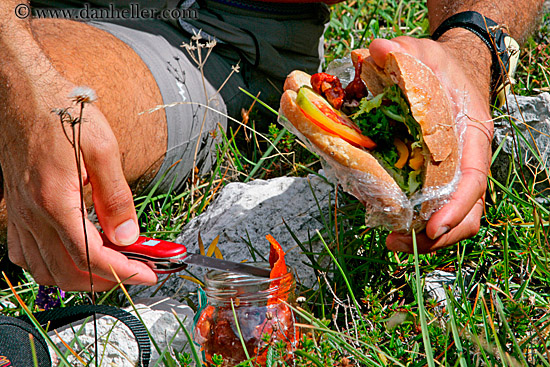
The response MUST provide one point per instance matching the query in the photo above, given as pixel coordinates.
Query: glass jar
(262, 312)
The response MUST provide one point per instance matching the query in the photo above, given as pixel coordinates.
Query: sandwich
(389, 137)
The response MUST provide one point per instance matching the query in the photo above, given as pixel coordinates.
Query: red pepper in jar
(278, 270)
(258, 313)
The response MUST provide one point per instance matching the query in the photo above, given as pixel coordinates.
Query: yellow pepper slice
(417, 159)
(403, 153)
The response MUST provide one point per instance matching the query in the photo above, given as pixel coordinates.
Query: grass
(373, 312)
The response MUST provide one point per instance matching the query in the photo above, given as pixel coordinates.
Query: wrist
(472, 55)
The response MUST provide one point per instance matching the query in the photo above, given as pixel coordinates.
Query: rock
(532, 117)
(244, 213)
(117, 346)
(437, 281)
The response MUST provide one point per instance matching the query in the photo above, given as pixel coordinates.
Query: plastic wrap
(386, 205)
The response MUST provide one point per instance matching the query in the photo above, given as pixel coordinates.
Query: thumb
(380, 48)
(111, 194)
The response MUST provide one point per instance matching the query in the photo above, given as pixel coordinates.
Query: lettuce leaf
(377, 119)
(395, 94)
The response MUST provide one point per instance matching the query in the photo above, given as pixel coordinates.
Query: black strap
(59, 317)
(15, 344)
(490, 33)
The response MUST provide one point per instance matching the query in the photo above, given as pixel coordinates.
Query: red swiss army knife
(169, 257)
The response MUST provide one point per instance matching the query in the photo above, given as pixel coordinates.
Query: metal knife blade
(229, 266)
(169, 257)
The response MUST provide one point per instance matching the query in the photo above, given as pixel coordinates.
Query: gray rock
(438, 281)
(531, 115)
(117, 346)
(244, 213)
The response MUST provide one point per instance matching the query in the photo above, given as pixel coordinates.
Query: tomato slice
(322, 114)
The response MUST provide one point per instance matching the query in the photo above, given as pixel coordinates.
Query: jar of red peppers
(252, 307)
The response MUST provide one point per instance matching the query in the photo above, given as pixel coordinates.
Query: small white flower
(189, 47)
(235, 68)
(211, 44)
(196, 36)
(83, 94)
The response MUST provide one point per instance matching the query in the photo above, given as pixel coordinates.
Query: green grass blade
(421, 310)
(309, 357)
(266, 154)
(350, 289)
(454, 329)
(192, 345)
(240, 333)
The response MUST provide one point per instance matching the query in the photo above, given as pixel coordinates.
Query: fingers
(111, 194)
(15, 252)
(34, 261)
(45, 234)
(53, 264)
(380, 48)
(466, 229)
(102, 261)
(472, 185)
(67, 250)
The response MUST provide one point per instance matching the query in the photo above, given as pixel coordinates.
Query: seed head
(83, 94)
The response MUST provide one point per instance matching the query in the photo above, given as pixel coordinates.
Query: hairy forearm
(26, 73)
(518, 17)
(21, 55)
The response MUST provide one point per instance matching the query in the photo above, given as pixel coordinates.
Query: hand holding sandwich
(461, 63)
(396, 147)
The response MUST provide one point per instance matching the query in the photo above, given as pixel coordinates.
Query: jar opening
(222, 286)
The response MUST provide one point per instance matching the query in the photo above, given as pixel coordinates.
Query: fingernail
(127, 233)
(440, 232)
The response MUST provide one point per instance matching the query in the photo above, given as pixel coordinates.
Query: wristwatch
(504, 49)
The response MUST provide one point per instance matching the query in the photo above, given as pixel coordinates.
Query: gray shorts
(193, 128)
(189, 121)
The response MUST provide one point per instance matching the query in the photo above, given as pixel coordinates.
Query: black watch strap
(504, 49)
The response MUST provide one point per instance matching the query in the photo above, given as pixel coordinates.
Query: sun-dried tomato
(356, 90)
(329, 87)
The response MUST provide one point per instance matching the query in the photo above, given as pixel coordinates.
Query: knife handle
(161, 256)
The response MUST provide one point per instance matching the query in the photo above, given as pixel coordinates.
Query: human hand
(467, 85)
(45, 233)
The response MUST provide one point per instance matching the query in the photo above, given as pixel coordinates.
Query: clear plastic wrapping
(386, 205)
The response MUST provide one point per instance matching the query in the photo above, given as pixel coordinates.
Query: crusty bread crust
(429, 103)
(349, 156)
(297, 79)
